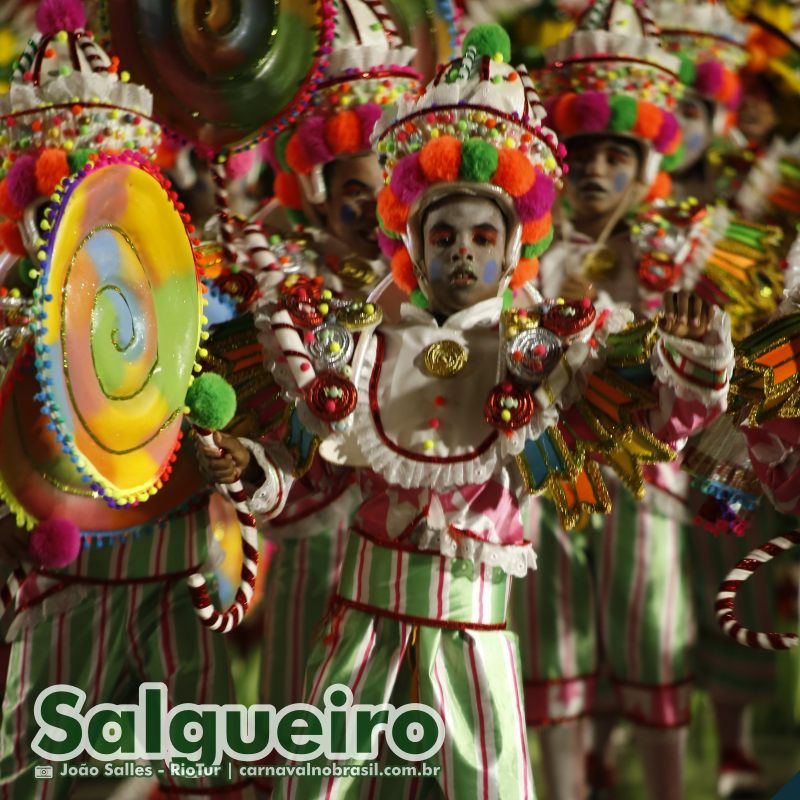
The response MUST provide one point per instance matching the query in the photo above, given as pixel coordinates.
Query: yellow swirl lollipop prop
(117, 326)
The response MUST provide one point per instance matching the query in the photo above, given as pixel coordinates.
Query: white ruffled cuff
(269, 498)
(697, 370)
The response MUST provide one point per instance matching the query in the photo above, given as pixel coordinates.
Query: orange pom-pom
(440, 159)
(660, 188)
(296, 157)
(565, 120)
(403, 271)
(730, 86)
(514, 172)
(11, 239)
(648, 120)
(532, 232)
(343, 132)
(7, 208)
(51, 168)
(393, 213)
(526, 270)
(287, 190)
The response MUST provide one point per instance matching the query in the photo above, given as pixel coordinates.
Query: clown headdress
(67, 100)
(477, 129)
(612, 76)
(710, 45)
(368, 70)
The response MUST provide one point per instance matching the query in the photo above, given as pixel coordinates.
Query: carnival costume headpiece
(478, 129)
(774, 42)
(610, 75)
(368, 70)
(710, 44)
(67, 100)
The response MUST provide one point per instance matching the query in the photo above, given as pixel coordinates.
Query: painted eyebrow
(485, 226)
(441, 226)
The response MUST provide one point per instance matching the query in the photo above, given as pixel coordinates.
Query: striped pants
(301, 579)
(115, 638)
(407, 629)
(614, 601)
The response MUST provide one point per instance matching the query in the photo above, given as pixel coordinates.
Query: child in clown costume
(416, 408)
(121, 614)
(611, 601)
(326, 181)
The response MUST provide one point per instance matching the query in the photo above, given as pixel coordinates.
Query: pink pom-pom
(535, 203)
(21, 181)
(312, 135)
(593, 112)
(709, 78)
(54, 543)
(388, 245)
(369, 114)
(53, 16)
(238, 165)
(666, 133)
(408, 180)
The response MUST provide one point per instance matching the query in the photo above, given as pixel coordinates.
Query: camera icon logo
(43, 772)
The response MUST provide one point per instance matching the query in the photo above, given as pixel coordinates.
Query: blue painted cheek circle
(490, 272)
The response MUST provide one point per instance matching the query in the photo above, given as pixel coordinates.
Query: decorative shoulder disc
(118, 323)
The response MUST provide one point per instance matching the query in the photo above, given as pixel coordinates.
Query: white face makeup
(464, 252)
(694, 116)
(601, 172)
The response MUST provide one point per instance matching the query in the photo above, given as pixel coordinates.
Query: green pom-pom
(673, 161)
(78, 159)
(537, 248)
(688, 70)
(623, 112)
(418, 299)
(478, 161)
(281, 142)
(212, 401)
(488, 40)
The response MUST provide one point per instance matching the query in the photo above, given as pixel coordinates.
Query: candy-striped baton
(726, 598)
(212, 404)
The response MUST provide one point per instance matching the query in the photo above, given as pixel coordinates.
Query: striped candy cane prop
(726, 598)
(212, 404)
(53, 543)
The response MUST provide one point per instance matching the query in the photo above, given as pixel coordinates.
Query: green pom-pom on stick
(488, 40)
(211, 401)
